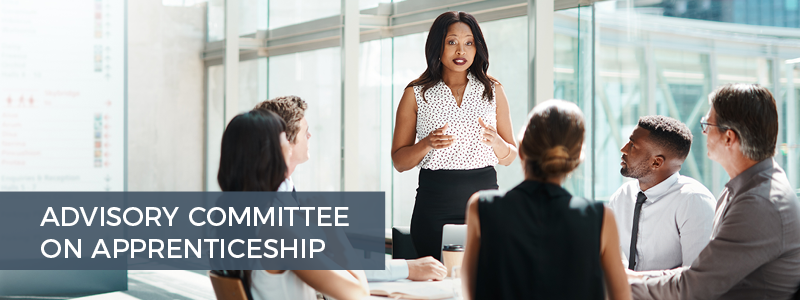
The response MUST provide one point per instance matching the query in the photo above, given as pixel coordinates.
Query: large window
(618, 60)
(409, 63)
(315, 77)
(656, 60)
(572, 81)
(508, 44)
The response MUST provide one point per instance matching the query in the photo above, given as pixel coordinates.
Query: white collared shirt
(674, 225)
(287, 185)
(396, 269)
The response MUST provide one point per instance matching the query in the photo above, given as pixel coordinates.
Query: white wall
(165, 96)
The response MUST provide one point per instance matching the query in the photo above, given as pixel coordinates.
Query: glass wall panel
(507, 41)
(216, 20)
(565, 60)
(782, 13)
(790, 150)
(252, 83)
(285, 13)
(408, 64)
(618, 107)
(366, 4)
(252, 89)
(375, 119)
(572, 76)
(650, 60)
(682, 84)
(369, 114)
(215, 122)
(743, 69)
(314, 76)
(252, 16)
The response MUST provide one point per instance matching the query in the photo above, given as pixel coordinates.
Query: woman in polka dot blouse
(453, 122)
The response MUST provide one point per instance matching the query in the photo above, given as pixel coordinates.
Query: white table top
(409, 287)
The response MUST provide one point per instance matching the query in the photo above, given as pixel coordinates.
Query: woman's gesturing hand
(438, 140)
(489, 135)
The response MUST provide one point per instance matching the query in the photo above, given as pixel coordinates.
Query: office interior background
(191, 65)
(618, 60)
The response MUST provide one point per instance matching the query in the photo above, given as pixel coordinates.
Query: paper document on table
(412, 290)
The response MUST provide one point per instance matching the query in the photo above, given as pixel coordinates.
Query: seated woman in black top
(537, 241)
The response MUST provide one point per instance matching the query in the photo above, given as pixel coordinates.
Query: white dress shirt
(674, 225)
(287, 185)
(396, 269)
(287, 285)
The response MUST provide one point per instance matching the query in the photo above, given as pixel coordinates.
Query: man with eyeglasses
(754, 252)
(664, 217)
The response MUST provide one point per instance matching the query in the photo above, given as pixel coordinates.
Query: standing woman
(452, 109)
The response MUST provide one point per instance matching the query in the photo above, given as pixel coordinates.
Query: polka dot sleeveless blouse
(467, 152)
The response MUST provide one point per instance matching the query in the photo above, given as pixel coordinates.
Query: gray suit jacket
(754, 252)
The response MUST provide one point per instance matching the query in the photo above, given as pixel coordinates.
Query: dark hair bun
(553, 139)
(556, 161)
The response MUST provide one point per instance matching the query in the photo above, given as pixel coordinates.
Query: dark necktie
(635, 232)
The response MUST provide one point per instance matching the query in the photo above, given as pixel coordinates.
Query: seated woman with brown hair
(254, 157)
(537, 241)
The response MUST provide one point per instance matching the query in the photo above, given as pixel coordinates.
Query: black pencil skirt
(442, 198)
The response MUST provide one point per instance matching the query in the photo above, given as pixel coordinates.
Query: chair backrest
(227, 288)
(402, 244)
(454, 234)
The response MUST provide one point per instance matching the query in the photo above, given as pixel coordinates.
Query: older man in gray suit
(754, 252)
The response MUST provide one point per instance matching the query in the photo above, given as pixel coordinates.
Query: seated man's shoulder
(630, 187)
(780, 190)
(768, 189)
(697, 199)
(773, 195)
(690, 185)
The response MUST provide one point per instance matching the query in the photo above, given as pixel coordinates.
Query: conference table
(439, 289)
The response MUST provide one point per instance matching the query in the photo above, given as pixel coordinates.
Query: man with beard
(664, 218)
(754, 252)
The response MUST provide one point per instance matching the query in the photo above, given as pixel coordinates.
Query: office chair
(227, 288)
(402, 244)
